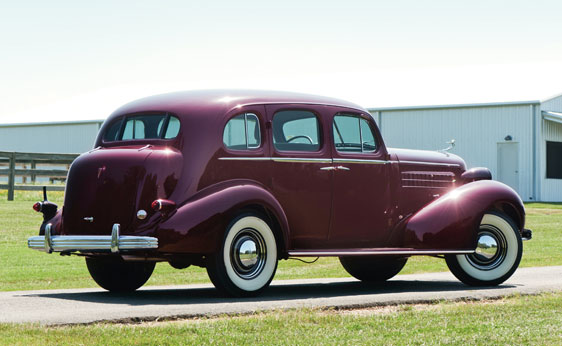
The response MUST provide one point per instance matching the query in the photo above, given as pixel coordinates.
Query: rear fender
(56, 223)
(451, 222)
(199, 225)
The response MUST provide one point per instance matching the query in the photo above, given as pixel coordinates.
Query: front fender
(198, 226)
(451, 221)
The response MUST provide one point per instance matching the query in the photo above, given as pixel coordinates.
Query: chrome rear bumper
(113, 243)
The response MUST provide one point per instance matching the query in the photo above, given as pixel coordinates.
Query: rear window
(145, 126)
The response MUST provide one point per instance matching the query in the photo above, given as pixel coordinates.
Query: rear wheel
(373, 268)
(497, 254)
(116, 275)
(247, 260)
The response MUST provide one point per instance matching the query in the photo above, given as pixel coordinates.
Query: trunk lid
(109, 185)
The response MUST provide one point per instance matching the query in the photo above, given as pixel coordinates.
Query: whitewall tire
(247, 260)
(497, 255)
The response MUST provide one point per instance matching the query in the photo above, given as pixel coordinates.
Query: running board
(369, 252)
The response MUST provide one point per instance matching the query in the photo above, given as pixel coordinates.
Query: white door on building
(508, 164)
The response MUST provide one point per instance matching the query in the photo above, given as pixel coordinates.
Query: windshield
(145, 126)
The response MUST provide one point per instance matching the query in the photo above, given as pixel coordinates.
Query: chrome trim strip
(277, 159)
(376, 162)
(315, 253)
(430, 163)
(91, 243)
(300, 159)
(329, 168)
(238, 158)
(335, 160)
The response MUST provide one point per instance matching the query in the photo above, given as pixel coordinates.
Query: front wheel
(116, 275)
(497, 254)
(247, 260)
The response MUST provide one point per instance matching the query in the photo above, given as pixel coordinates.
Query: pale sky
(78, 60)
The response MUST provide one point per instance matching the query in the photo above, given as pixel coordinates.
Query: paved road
(90, 305)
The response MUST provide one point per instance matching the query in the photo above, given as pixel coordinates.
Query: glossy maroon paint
(401, 199)
(362, 194)
(446, 222)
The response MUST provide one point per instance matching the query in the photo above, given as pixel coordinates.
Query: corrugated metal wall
(46, 138)
(477, 131)
(551, 189)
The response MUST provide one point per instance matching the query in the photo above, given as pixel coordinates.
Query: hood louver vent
(439, 180)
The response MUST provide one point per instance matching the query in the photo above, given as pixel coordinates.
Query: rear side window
(352, 133)
(146, 126)
(296, 130)
(242, 132)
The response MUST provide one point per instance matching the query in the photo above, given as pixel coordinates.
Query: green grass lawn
(24, 269)
(517, 320)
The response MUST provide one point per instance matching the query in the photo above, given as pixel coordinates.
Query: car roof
(219, 102)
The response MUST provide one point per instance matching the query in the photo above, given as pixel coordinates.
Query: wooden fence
(28, 165)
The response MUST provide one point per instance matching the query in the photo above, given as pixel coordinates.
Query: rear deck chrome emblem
(100, 171)
(89, 219)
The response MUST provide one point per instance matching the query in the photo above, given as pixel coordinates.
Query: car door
(300, 181)
(361, 188)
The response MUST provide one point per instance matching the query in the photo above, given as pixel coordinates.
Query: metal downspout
(537, 121)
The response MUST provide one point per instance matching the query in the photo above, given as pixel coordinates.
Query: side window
(353, 134)
(296, 130)
(242, 132)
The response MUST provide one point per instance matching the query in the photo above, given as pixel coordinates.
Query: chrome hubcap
(491, 249)
(487, 247)
(248, 253)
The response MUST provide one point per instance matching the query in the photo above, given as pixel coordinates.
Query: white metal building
(57, 137)
(521, 142)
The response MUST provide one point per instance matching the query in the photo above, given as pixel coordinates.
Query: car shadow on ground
(283, 292)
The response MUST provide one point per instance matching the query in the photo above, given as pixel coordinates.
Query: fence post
(12, 177)
(24, 178)
(33, 166)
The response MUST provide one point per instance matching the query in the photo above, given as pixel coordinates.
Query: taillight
(163, 205)
(38, 206)
(156, 205)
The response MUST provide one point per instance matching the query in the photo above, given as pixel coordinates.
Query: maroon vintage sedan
(235, 181)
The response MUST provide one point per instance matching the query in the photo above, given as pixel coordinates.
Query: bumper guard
(114, 243)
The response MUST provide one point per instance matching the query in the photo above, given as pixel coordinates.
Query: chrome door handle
(334, 168)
